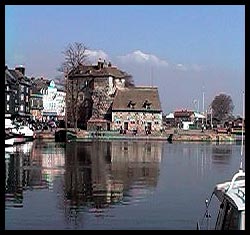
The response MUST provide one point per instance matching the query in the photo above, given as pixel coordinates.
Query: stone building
(137, 109)
(90, 93)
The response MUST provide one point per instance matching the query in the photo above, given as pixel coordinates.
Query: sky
(192, 53)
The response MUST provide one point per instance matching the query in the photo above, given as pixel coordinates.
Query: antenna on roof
(242, 129)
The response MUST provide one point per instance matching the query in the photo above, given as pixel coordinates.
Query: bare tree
(75, 55)
(222, 106)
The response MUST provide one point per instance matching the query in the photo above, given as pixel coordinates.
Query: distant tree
(129, 81)
(75, 55)
(222, 106)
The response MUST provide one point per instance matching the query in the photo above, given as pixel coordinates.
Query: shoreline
(177, 136)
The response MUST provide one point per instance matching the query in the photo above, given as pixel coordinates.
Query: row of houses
(32, 98)
(94, 97)
(187, 119)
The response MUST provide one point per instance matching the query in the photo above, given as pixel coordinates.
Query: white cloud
(139, 57)
(94, 55)
(181, 67)
(187, 67)
(142, 58)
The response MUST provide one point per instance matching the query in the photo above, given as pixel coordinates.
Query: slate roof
(95, 71)
(9, 77)
(19, 76)
(137, 97)
(39, 84)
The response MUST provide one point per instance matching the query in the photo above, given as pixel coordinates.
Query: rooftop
(137, 98)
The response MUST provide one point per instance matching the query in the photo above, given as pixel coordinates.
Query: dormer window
(131, 104)
(146, 104)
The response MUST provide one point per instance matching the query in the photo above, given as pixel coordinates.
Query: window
(8, 97)
(146, 104)
(7, 88)
(22, 96)
(7, 107)
(21, 108)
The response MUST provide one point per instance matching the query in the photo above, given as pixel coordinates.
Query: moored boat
(231, 196)
(9, 139)
(231, 213)
(24, 131)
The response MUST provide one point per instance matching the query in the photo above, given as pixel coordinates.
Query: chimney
(100, 63)
(21, 69)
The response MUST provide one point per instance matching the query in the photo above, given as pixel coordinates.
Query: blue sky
(184, 50)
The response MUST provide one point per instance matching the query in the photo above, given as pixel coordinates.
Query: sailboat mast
(242, 129)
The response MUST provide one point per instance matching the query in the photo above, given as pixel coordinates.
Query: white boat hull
(9, 142)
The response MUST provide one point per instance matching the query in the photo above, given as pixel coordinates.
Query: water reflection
(99, 174)
(119, 184)
(93, 176)
(221, 154)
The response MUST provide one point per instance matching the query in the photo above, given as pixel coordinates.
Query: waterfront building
(137, 109)
(17, 92)
(60, 101)
(9, 94)
(36, 98)
(47, 99)
(91, 90)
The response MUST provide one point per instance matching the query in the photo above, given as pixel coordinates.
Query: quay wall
(177, 135)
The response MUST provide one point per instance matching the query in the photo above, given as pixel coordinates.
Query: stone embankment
(177, 135)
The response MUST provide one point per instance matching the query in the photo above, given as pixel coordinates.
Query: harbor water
(124, 185)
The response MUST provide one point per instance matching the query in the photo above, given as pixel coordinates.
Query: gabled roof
(138, 96)
(9, 77)
(95, 71)
(39, 84)
(19, 76)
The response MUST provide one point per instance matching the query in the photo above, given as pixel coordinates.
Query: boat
(24, 131)
(9, 139)
(65, 135)
(231, 196)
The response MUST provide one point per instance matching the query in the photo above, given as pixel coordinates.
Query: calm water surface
(114, 185)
